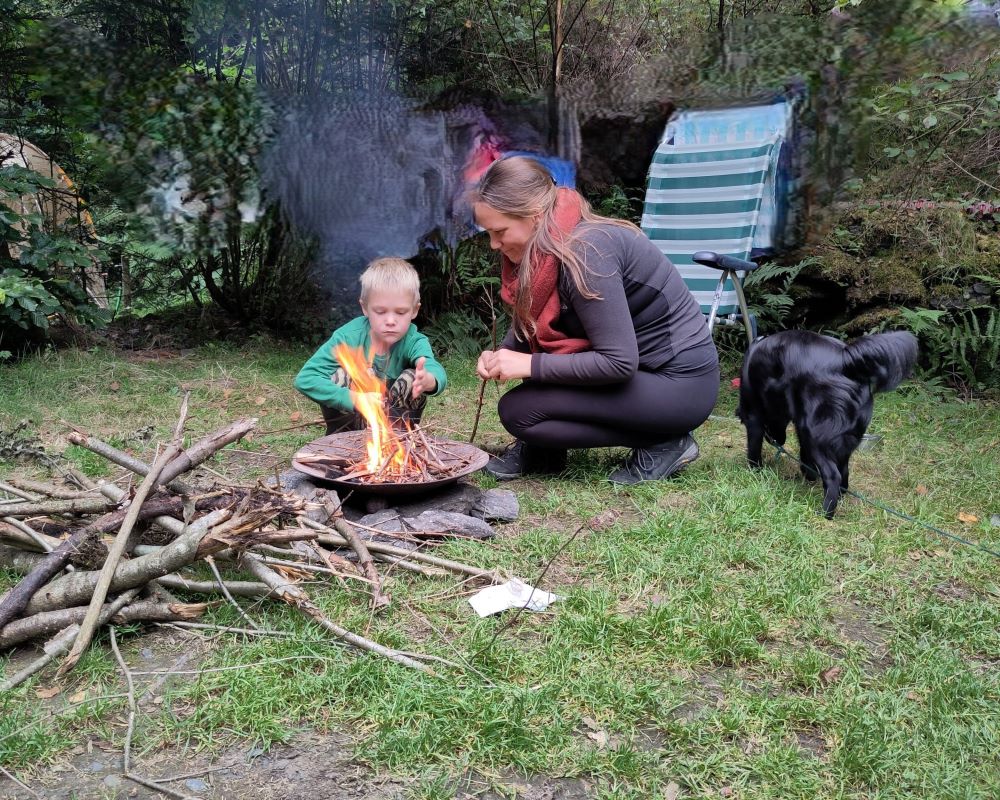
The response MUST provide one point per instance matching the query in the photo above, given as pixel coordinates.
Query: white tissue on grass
(512, 594)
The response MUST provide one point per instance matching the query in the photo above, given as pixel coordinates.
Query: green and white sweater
(314, 379)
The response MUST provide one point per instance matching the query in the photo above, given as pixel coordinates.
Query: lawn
(715, 637)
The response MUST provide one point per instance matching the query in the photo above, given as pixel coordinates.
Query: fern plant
(768, 291)
(962, 345)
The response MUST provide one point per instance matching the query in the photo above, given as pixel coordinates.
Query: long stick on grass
(379, 598)
(296, 597)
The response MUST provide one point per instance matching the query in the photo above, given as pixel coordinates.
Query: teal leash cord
(782, 451)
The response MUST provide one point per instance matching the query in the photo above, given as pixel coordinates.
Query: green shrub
(44, 281)
(961, 345)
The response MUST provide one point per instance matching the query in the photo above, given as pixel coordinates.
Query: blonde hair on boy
(390, 274)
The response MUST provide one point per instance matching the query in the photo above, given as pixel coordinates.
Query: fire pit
(340, 458)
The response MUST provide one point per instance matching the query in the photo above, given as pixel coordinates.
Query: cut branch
(379, 598)
(49, 622)
(296, 597)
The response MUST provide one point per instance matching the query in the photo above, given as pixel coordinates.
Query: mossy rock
(869, 321)
(946, 231)
(946, 295)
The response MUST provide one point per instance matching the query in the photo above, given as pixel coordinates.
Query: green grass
(719, 633)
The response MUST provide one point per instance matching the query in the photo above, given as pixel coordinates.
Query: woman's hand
(503, 365)
(423, 381)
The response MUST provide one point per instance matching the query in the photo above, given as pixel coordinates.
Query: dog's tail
(883, 360)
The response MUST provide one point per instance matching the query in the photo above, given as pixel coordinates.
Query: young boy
(400, 355)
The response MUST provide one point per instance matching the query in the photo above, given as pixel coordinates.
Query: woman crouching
(612, 347)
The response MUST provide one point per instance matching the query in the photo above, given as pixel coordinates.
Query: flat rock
(451, 522)
(460, 498)
(498, 505)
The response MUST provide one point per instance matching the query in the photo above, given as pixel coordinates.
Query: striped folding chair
(702, 208)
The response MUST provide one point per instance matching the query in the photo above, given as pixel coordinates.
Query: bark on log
(11, 530)
(236, 588)
(17, 560)
(49, 490)
(49, 622)
(40, 508)
(71, 590)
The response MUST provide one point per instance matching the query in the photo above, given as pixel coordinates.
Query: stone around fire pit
(431, 521)
(461, 509)
(492, 505)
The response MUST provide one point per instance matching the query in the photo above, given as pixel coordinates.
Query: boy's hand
(423, 381)
(361, 399)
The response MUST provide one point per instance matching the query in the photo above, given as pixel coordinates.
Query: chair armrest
(709, 259)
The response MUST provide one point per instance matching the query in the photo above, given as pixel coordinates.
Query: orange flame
(385, 451)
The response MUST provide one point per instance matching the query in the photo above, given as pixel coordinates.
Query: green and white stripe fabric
(706, 197)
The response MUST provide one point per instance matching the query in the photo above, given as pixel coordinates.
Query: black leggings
(647, 409)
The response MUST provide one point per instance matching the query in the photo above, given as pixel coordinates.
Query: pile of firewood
(97, 553)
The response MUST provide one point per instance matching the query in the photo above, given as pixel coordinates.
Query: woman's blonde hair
(521, 187)
(390, 274)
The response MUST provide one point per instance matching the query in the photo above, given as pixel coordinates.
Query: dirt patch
(313, 765)
(811, 741)
(853, 625)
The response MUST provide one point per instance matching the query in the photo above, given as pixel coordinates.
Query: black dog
(826, 389)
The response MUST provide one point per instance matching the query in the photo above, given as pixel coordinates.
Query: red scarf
(545, 306)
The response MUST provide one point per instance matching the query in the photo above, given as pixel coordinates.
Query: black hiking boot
(523, 459)
(657, 462)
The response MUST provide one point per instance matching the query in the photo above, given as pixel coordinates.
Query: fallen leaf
(968, 519)
(259, 401)
(79, 697)
(591, 723)
(295, 416)
(912, 696)
(915, 555)
(726, 791)
(45, 694)
(921, 489)
(830, 675)
(671, 792)
(114, 386)
(226, 393)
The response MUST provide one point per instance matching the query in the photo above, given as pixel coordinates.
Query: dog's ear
(883, 360)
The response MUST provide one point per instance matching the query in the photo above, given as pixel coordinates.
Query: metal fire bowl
(338, 447)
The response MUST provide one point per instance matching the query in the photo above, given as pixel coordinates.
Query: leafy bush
(45, 280)
(769, 293)
(962, 345)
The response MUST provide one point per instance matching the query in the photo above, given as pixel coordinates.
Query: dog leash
(782, 451)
